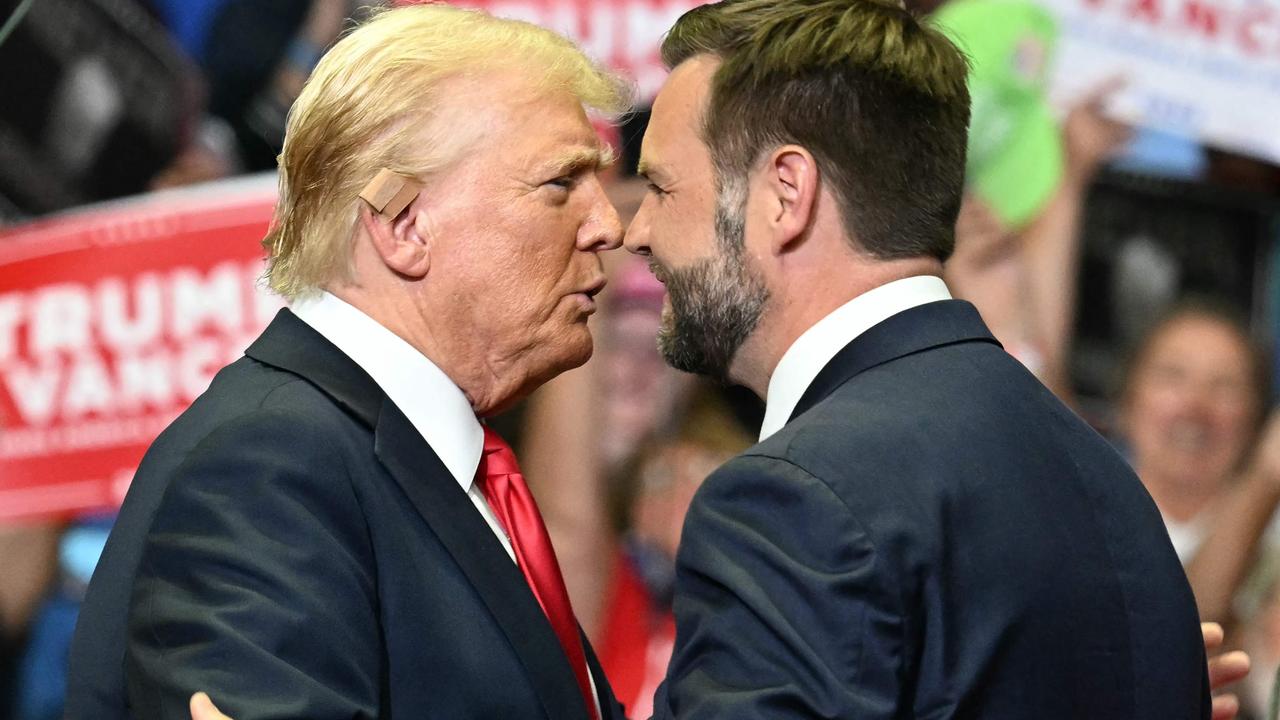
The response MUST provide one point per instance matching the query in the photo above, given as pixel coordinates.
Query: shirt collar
(816, 346)
(436, 407)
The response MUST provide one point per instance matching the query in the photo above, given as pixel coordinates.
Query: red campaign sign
(112, 320)
(625, 34)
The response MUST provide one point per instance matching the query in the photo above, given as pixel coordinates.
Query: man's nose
(636, 239)
(603, 229)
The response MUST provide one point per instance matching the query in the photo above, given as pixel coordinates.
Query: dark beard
(716, 303)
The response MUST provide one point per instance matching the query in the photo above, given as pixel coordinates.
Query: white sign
(1205, 68)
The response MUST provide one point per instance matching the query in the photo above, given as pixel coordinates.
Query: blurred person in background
(40, 686)
(1260, 638)
(639, 392)
(651, 496)
(28, 566)
(1018, 237)
(1192, 407)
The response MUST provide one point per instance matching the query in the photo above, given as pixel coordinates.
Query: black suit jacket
(932, 535)
(291, 545)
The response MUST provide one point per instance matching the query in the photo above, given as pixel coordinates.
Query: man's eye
(656, 190)
(566, 182)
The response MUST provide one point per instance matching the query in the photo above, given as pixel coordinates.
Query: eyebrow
(648, 170)
(579, 159)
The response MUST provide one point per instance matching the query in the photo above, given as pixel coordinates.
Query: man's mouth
(595, 287)
(1189, 437)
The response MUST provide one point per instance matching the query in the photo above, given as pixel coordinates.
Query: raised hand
(1223, 670)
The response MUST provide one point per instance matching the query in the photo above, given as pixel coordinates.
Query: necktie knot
(498, 457)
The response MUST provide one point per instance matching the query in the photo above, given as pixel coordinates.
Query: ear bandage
(390, 193)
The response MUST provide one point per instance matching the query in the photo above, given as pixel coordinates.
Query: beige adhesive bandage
(390, 193)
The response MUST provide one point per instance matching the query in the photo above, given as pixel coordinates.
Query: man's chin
(577, 349)
(681, 355)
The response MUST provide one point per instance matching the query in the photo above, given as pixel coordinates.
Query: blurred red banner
(112, 320)
(624, 34)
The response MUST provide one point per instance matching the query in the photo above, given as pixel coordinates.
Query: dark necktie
(509, 497)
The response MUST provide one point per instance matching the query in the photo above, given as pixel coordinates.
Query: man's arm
(780, 610)
(1053, 242)
(256, 583)
(1222, 563)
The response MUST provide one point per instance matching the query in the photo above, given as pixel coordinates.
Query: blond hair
(370, 103)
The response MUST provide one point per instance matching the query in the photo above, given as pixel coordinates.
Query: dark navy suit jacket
(293, 546)
(932, 535)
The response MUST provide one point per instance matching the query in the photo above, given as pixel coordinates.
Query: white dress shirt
(811, 352)
(435, 406)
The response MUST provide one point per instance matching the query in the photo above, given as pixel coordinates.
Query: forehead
(679, 108)
(518, 121)
(1202, 341)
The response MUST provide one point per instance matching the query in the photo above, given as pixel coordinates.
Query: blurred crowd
(136, 95)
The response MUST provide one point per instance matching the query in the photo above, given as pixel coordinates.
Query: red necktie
(509, 497)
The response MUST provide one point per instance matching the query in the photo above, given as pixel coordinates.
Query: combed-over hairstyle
(370, 104)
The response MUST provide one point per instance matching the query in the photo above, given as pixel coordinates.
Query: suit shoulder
(248, 385)
(250, 393)
(776, 480)
(252, 416)
(830, 429)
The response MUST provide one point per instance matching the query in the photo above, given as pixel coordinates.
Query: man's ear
(394, 216)
(791, 185)
(404, 244)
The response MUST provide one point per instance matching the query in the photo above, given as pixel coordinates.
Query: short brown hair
(878, 98)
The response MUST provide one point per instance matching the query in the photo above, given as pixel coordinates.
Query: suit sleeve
(256, 583)
(781, 609)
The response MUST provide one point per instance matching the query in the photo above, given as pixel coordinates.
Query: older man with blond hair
(330, 531)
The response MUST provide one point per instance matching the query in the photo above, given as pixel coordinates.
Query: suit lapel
(290, 344)
(610, 708)
(452, 517)
(911, 331)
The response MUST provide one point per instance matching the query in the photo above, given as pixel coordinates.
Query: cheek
(532, 281)
(1234, 420)
(676, 228)
(1157, 402)
(532, 237)
(1149, 418)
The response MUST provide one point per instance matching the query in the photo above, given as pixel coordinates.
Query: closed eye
(565, 182)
